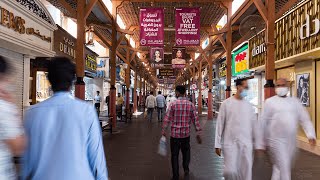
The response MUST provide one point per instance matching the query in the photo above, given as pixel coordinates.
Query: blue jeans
(150, 112)
(160, 113)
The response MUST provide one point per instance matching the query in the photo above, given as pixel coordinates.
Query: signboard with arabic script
(151, 26)
(240, 60)
(166, 72)
(188, 26)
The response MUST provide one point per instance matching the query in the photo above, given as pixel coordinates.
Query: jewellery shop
(26, 32)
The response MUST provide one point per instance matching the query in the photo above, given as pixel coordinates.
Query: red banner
(151, 26)
(188, 26)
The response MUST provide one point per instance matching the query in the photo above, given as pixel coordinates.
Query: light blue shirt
(64, 141)
(161, 101)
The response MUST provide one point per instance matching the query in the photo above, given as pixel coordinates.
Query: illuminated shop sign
(18, 24)
(223, 69)
(240, 60)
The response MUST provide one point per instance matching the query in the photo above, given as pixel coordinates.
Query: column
(140, 89)
(135, 102)
(270, 57)
(199, 87)
(113, 67)
(80, 85)
(210, 103)
(127, 80)
(229, 49)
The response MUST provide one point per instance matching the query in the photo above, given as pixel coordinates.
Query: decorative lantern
(89, 36)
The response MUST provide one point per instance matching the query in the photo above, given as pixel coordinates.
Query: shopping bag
(145, 114)
(163, 146)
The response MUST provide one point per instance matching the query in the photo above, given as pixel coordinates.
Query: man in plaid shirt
(181, 114)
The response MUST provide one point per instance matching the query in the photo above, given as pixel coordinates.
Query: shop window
(43, 87)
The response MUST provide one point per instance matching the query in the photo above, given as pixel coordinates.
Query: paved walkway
(132, 155)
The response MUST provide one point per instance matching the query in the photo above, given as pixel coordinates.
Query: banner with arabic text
(151, 26)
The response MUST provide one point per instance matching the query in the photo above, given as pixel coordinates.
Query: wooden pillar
(135, 101)
(270, 57)
(199, 85)
(229, 49)
(81, 22)
(127, 80)
(193, 82)
(140, 89)
(210, 103)
(113, 66)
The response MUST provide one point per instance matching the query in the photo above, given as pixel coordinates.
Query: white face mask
(282, 91)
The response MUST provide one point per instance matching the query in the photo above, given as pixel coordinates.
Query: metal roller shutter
(16, 60)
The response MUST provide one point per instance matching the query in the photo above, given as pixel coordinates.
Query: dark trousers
(97, 106)
(176, 144)
(160, 114)
(150, 112)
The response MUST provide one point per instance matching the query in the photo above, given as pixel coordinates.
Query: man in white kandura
(279, 122)
(235, 131)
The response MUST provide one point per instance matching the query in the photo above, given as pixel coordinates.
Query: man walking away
(180, 115)
(280, 120)
(151, 103)
(65, 140)
(161, 103)
(97, 100)
(236, 128)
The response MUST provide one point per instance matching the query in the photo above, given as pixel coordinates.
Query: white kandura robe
(235, 131)
(279, 121)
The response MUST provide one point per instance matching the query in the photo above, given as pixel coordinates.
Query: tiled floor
(132, 155)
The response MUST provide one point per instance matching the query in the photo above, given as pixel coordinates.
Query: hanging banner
(156, 57)
(151, 26)
(188, 26)
(178, 57)
(166, 72)
(240, 60)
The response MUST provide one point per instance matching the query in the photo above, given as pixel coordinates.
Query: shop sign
(91, 61)
(223, 69)
(258, 49)
(64, 43)
(307, 25)
(240, 61)
(18, 24)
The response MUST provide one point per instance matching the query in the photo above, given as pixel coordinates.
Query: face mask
(282, 91)
(244, 93)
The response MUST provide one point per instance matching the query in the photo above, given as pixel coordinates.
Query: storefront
(240, 69)
(296, 61)
(64, 46)
(26, 32)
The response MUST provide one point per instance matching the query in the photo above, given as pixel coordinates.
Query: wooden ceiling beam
(73, 12)
(286, 8)
(243, 8)
(262, 9)
(223, 42)
(89, 8)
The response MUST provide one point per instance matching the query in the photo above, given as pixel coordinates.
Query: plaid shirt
(180, 114)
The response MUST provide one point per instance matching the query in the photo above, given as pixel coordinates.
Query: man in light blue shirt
(161, 103)
(64, 134)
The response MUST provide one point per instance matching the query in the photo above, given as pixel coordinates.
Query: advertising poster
(156, 57)
(151, 26)
(187, 26)
(303, 88)
(240, 61)
(178, 58)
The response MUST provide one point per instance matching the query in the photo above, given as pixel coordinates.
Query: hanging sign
(240, 60)
(178, 57)
(151, 26)
(156, 57)
(187, 26)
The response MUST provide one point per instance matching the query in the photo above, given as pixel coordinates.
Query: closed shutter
(17, 63)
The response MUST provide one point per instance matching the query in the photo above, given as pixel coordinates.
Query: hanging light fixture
(89, 36)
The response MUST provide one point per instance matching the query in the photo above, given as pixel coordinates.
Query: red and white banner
(151, 26)
(187, 27)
